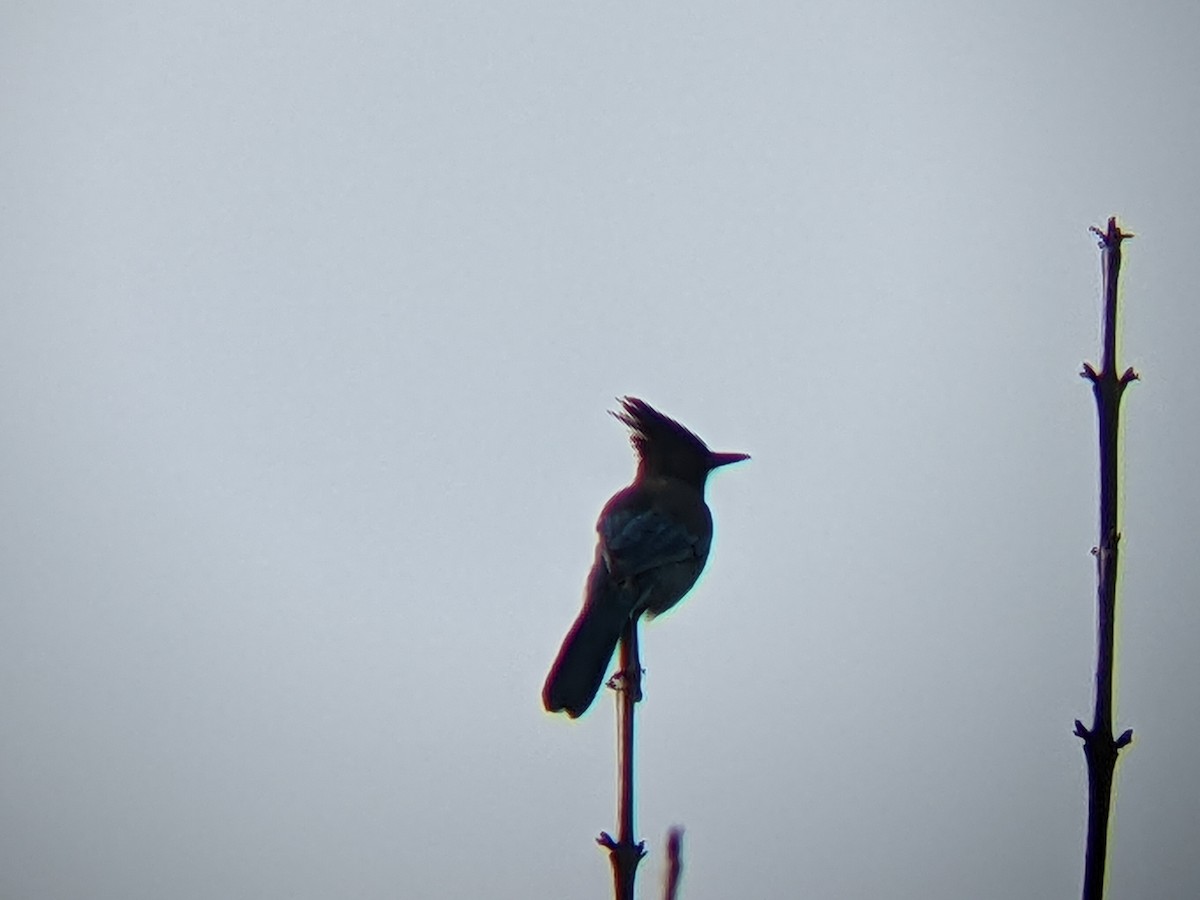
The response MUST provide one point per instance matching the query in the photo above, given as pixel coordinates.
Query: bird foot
(630, 682)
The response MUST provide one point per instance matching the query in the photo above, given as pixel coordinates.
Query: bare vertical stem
(625, 853)
(674, 862)
(1100, 749)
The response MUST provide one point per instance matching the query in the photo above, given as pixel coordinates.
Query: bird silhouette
(654, 537)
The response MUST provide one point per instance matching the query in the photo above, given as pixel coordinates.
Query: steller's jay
(654, 540)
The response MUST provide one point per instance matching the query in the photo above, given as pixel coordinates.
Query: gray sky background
(311, 315)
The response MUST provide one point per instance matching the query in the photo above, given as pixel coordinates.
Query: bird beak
(716, 460)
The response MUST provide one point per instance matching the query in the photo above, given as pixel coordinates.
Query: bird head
(664, 447)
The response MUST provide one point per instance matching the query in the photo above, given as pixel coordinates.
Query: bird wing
(638, 540)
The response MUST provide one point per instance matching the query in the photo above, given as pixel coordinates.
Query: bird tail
(579, 669)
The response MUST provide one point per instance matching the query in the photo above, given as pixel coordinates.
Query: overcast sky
(310, 316)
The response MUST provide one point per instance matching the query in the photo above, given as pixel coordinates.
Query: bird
(653, 540)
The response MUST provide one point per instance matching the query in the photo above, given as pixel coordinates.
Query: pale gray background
(311, 315)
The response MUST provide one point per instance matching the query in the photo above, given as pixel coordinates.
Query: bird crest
(661, 443)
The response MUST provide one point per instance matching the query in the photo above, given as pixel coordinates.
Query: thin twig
(674, 862)
(1100, 749)
(625, 853)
